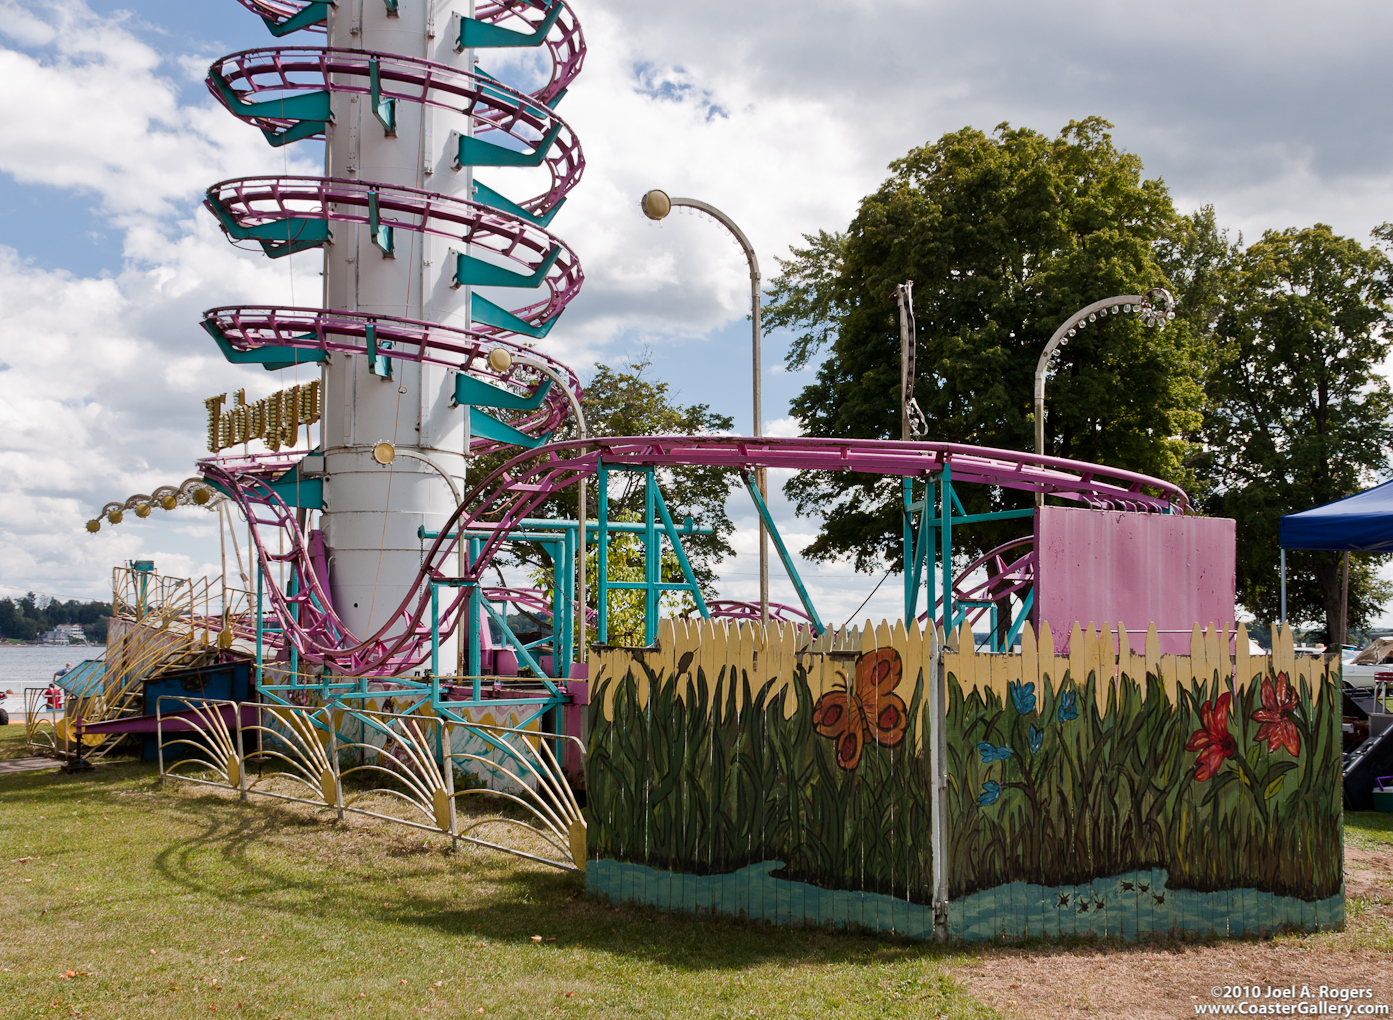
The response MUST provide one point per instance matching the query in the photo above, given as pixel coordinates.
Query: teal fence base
(1129, 906)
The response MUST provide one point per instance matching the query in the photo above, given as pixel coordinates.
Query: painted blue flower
(1068, 706)
(991, 753)
(1037, 739)
(990, 793)
(1022, 696)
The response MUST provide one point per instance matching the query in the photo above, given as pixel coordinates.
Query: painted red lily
(1213, 740)
(1278, 703)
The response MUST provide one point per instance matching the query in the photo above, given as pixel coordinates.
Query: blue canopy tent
(1359, 523)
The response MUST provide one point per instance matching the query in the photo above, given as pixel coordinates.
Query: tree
(1299, 415)
(1004, 237)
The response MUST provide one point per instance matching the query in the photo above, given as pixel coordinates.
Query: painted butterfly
(849, 715)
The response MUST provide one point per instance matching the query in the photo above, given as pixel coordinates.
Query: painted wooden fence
(763, 772)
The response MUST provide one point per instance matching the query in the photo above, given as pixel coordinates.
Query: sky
(782, 114)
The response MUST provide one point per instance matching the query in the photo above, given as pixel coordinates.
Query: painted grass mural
(796, 785)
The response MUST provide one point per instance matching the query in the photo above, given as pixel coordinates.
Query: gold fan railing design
(249, 747)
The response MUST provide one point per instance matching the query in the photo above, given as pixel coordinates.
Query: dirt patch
(1166, 981)
(1369, 876)
(1161, 984)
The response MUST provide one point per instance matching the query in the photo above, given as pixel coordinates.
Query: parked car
(1362, 667)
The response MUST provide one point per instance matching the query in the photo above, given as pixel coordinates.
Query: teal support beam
(485, 195)
(477, 152)
(378, 363)
(520, 648)
(316, 12)
(602, 554)
(381, 234)
(945, 534)
(278, 238)
(652, 559)
(294, 651)
(385, 110)
(681, 553)
(310, 111)
(479, 35)
(485, 312)
(476, 635)
(270, 358)
(472, 272)
(1027, 604)
(260, 624)
(469, 390)
(783, 552)
(486, 426)
(907, 550)
(435, 632)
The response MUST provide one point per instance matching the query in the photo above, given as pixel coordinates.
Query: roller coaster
(419, 335)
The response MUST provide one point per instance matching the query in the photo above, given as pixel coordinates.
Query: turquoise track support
(478, 35)
(472, 272)
(280, 237)
(945, 536)
(316, 12)
(378, 363)
(485, 195)
(792, 570)
(385, 110)
(484, 311)
(272, 359)
(927, 535)
(380, 233)
(476, 392)
(477, 152)
(653, 586)
(260, 624)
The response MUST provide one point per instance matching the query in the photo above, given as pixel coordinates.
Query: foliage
(1103, 793)
(691, 782)
(1300, 413)
(1044, 787)
(1004, 238)
(28, 617)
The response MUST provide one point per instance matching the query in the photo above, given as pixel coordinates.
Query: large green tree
(1300, 414)
(1004, 236)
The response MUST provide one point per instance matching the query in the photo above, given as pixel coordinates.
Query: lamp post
(1155, 307)
(656, 205)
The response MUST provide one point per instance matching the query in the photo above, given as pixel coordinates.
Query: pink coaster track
(565, 44)
(734, 609)
(260, 86)
(249, 327)
(519, 487)
(246, 206)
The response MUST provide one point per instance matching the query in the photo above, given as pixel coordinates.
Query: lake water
(24, 666)
(31, 665)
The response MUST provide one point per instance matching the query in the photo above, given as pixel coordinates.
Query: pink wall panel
(1099, 566)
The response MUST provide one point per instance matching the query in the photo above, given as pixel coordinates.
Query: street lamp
(1155, 308)
(656, 205)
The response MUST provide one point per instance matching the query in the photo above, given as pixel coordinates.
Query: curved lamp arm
(1155, 307)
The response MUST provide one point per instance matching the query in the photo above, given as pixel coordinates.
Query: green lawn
(1369, 830)
(177, 902)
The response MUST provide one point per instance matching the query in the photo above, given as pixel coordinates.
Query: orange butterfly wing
(877, 675)
(840, 718)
